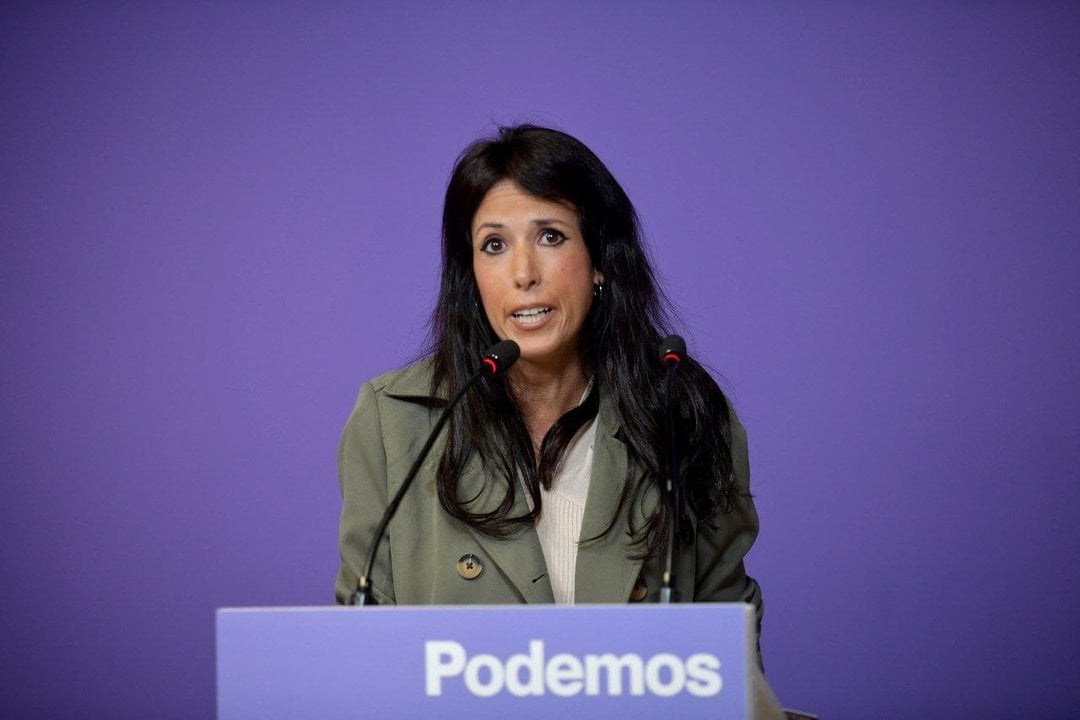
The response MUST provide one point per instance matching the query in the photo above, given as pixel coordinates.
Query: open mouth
(531, 316)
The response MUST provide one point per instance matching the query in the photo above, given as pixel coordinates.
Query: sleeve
(362, 477)
(725, 538)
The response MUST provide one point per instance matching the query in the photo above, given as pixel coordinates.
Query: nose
(525, 268)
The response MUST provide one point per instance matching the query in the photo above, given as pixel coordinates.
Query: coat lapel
(605, 572)
(519, 557)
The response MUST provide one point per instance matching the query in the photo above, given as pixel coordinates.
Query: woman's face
(534, 273)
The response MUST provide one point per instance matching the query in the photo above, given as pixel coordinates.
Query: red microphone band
(493, 368)
(672, 356)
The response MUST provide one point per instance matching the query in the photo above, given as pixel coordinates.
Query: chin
(540, 353)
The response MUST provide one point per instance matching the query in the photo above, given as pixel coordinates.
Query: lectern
(477, 662)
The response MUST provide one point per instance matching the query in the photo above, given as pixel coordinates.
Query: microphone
(672, 353)
(672, 350)
(498, 358)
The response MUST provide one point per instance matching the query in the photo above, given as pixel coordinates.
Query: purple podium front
(594, 661)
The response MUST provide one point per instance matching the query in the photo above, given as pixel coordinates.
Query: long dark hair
(619, 342)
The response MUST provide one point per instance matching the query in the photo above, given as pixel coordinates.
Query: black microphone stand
(672, 351)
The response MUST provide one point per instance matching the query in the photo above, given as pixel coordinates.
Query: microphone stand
(672, 487)
(672, 351)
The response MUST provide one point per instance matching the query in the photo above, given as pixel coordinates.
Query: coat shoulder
(411, 381)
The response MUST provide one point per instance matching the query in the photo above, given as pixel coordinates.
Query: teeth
(531, 316)
(531, 312)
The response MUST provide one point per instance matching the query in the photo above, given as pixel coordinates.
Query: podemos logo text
(565, 675)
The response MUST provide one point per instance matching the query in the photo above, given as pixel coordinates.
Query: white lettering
(676, 670)
(564, 675)
(614, 664)
(703, 671)
(495, 675)
(533, 664)
(436, 668)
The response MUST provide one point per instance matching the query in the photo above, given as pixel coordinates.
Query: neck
(545, 394)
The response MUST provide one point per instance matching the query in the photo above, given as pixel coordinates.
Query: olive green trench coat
(419, 562)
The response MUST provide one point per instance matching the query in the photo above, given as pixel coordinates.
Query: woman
(546, 486)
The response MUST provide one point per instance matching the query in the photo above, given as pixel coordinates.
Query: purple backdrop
(218, 221)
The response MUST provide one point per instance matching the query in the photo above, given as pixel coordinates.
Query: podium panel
(479, 662)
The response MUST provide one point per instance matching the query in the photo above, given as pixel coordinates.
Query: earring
(598, 291)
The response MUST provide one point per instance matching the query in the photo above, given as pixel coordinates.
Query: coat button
(640, 591)
(469, 566)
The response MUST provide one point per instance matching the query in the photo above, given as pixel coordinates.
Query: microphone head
(672, 350)
(500, 356)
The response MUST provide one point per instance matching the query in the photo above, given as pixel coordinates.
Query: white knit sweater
(562, 510)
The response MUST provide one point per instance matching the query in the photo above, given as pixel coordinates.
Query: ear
(597, 277)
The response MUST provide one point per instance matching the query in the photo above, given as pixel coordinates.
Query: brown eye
(549, 236)
(492, 246)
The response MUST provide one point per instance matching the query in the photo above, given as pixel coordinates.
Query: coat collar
(413, 383)
(605, 572)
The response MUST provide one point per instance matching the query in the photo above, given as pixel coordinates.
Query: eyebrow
(537, 221)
